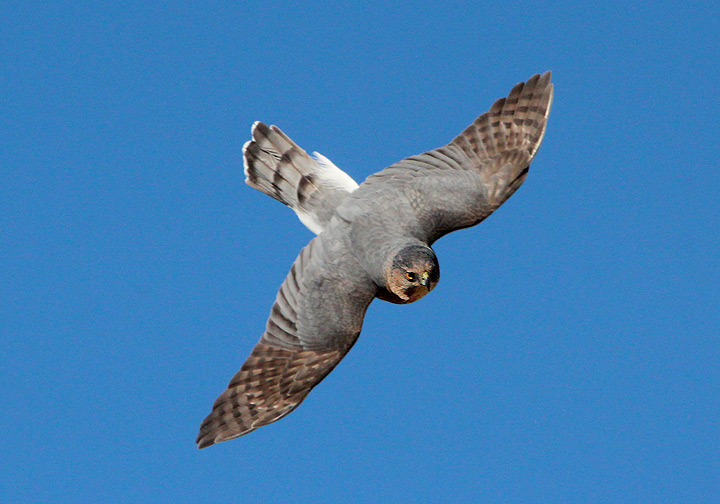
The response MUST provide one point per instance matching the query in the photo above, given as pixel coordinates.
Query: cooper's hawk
(374, 240)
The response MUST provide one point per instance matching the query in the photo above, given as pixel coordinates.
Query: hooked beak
(425, 281)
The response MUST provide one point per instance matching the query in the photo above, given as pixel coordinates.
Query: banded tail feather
(312, 187)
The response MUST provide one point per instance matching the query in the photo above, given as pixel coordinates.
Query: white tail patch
(332, 175)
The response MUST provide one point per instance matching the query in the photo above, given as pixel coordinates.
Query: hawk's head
(414, 272)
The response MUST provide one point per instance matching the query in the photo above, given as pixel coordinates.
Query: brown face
(410, 283)
(412, 273)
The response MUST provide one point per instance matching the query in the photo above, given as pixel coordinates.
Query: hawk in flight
(373, 241)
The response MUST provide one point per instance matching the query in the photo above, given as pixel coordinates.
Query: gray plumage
(373, 241)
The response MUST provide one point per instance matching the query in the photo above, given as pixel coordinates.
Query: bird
(374, 240)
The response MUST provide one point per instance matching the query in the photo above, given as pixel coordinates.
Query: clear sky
(570, 354)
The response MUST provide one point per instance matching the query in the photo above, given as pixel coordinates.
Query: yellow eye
(411, 276)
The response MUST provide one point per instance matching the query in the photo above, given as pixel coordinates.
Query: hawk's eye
(411, 276)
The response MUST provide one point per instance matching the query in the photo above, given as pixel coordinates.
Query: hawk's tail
(313, 188)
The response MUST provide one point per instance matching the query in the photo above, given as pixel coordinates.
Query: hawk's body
(366, 235)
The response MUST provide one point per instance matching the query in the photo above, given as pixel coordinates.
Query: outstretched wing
(460, 184)
(313, 188)
(316, 319)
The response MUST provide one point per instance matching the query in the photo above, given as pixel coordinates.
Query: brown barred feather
(271, 383)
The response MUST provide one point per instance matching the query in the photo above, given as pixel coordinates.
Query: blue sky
(570, 353)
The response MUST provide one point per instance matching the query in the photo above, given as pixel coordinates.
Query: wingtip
(544, 79)
(537, 80)
(206, 436)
